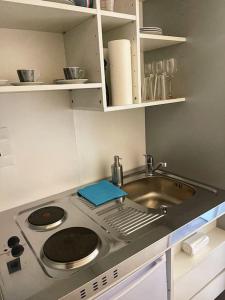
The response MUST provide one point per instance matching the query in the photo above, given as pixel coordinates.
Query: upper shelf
(35, 15)
(151, 41)
(42, 15)
(111, 20)
(48, 87)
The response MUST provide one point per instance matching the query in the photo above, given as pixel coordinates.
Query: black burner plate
(71, 244)
(46, 216)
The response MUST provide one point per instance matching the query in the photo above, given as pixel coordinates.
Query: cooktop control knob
(14, 244)
(13, 241)
(17, 250)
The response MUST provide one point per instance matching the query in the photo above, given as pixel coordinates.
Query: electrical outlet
(4, 133)
(6, 157)
(6, 161)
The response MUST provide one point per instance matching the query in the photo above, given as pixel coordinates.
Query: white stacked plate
(62, 1)
(70, 81)
(151, 30)
(4, 82)
(27, 83)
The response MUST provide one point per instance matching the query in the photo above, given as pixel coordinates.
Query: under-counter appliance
(148, 283)
(52, 248)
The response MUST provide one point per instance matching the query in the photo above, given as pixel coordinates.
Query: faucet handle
(164, 164)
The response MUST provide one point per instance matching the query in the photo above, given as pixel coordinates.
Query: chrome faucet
(150, 167)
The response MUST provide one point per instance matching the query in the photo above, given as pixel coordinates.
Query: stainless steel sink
(157, 191)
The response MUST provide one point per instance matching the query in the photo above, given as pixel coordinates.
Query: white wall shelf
(42, 15)
(112, 20)
(145, 104)
(151, 41)
(49, 87)
(79, 34)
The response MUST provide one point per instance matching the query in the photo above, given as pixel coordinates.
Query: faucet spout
(150, 167)
(160, 165)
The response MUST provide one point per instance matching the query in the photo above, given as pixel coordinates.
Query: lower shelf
(213, 289)
(192, 274)
(184, 263)
(48, 87)
(144, 104)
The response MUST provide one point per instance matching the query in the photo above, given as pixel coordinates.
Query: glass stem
(170, 87)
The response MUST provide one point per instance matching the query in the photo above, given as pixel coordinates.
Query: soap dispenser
(117, 172)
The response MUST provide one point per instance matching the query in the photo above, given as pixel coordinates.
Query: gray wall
(191, 136)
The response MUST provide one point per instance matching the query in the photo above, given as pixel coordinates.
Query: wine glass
(148, 69)
(158, 74)
(147, 88)
(171, 70)
(151, 81)
(145, 83)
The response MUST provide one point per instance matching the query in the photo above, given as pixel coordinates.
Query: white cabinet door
(213, 289)
(148, 283)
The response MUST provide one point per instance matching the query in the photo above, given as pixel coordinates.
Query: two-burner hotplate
(62, 237)
(68, 248)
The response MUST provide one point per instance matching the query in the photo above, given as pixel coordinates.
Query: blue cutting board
(101, 192)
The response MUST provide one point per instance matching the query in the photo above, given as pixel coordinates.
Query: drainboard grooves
(137, 224)
(119, 214)
(129, 220)
(108, 209)
(136, 221)
(143, 225)
(123, 218)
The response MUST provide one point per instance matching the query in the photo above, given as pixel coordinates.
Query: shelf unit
(151, 42)
(64, 25)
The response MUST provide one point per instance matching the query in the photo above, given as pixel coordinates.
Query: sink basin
(157, 191)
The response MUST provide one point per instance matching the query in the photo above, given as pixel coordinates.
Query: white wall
(42, 139)
(102, 135)
(51, 155)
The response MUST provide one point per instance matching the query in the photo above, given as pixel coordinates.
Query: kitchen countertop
(179, 222)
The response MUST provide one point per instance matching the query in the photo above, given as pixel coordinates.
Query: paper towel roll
(120, 72)
(195, 243)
